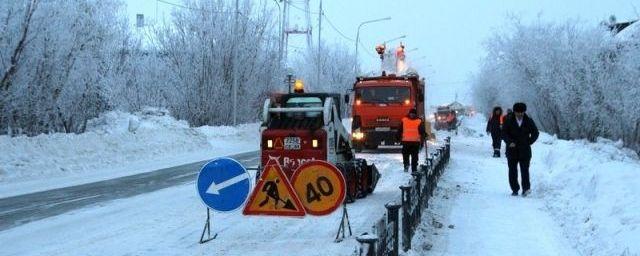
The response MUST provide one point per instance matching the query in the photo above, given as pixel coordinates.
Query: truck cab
(446, 118)
(379, 104)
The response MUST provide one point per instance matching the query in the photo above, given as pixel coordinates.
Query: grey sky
(449, 34)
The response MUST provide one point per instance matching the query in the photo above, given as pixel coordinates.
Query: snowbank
(592, 190)
(115, 144)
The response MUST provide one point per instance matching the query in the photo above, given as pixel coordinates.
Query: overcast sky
(447, 33)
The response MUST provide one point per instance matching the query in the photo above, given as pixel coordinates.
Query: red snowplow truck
(299, 127)
(379, 105)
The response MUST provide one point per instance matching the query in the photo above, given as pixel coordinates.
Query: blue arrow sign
(223, 185)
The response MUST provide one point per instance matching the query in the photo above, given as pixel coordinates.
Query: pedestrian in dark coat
(494, 128)
(519, 132)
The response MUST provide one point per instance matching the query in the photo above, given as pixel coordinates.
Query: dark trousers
(524, 173)
(497, 141)
(410, 149)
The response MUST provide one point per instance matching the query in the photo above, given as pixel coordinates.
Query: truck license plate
(383, 129)
(292, 143)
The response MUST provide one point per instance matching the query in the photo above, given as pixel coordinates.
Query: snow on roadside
(116, 144)
(590, 190)
(169, 222)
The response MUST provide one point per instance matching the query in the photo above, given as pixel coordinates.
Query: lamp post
(393, 39)
(358, 37)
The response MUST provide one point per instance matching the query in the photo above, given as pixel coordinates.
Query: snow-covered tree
(578, 80)
(336, 69)
(56, 60)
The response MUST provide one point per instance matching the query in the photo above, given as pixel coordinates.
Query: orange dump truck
(379, 104)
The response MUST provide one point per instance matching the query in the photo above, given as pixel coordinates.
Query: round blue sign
(223, 185)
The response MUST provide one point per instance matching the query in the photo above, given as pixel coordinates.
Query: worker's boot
(496, 153)
(406, 168)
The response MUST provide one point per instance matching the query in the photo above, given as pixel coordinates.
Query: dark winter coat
(523, 136)
(494, 126)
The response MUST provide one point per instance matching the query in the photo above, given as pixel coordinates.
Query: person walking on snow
(413, 135)
(494, 128)
(519, 133)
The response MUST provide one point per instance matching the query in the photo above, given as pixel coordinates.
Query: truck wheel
(350, 180)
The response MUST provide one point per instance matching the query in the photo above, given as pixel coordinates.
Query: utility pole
(319, 60)
(235, 66)
(295, 31)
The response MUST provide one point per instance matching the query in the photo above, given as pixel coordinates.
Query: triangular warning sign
(278, 143)
(273, 195)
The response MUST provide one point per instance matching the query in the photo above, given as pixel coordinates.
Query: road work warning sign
(320, 186)
(273, 195)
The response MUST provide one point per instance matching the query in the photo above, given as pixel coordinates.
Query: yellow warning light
(298, 86)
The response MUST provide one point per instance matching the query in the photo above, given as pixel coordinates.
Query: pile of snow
(115, 144)
(589, 189)
(592, 191)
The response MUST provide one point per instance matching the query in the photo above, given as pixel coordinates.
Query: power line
(368, 53)
(335, 28)
(176, 5)
(302, 9)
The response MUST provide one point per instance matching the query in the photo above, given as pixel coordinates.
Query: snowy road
(169, 221)
(18, 210)
(474, 197)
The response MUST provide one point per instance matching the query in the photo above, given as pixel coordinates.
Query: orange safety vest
(410, 132)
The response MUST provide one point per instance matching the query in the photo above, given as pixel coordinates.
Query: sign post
(321, 188)
(223, 186)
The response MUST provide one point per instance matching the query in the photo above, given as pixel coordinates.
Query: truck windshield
(383, 94)
(304, 102)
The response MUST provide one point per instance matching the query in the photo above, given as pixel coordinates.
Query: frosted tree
(579, 81)
(335, 69)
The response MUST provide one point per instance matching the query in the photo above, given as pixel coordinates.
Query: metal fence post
(392, 210)
(406, 216)
(368, 241)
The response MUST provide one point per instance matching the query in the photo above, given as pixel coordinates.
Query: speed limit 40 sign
(320, 187)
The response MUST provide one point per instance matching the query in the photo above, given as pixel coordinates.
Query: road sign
(273, 195)
(320, 186)
(223, 184)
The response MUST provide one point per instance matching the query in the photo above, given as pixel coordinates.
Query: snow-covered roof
(629, 33)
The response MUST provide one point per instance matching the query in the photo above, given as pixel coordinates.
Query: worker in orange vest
(413, 135)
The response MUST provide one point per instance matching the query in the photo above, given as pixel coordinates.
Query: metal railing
(401, 220)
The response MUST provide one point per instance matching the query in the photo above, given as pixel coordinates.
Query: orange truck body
(379, 105)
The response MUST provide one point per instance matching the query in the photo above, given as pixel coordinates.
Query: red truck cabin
(379, 106)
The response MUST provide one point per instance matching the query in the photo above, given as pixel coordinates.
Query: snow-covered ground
(584, 201)
(116, 144)
(169, 222)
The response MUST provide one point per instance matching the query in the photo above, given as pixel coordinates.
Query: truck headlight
(357, 135)
(314, 143)
(269, 143)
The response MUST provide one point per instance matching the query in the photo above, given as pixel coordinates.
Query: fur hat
(519, 107)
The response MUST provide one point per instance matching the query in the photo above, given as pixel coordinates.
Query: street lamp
(358, 37)
(391, 40)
